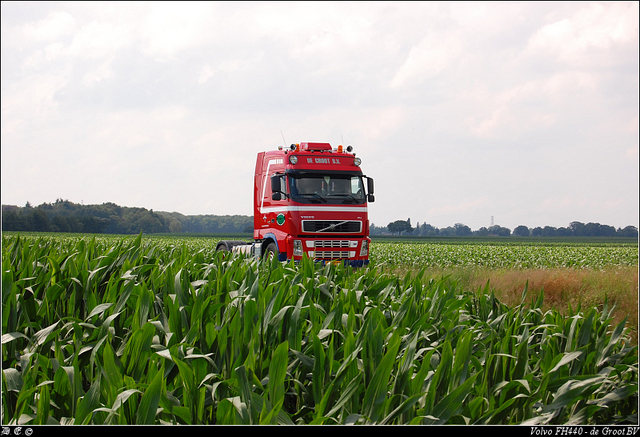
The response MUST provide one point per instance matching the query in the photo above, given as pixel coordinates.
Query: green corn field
(135, 330)
(518, 256)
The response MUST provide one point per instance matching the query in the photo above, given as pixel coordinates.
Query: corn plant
(158, 331)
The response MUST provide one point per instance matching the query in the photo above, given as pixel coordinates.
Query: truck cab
(311, 199)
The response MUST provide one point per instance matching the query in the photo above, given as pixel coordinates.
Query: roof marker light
(357, 161)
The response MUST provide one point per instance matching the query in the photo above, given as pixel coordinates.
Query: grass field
(161, 330)
(572, 272)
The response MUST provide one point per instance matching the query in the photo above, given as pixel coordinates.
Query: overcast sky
(527, 112)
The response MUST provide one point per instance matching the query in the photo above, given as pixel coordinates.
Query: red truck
(309, 199)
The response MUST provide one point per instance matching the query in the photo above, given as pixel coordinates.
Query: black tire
(222, 247)
(270, 252)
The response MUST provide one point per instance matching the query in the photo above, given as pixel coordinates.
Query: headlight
(357, 161)
(364, 250)
(297, 248)
(293, 159)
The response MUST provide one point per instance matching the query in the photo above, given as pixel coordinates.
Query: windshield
(335, 188)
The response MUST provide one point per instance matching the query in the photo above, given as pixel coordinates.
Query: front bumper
(350, 251)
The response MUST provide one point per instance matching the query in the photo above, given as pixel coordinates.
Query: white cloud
(334, 37)
(97, 40)
(32, 96)
(171, 27)
(530, 105)
(431, 57)
(595, 27)
(56, 25)
(206, 72)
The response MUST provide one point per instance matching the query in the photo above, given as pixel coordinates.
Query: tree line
(575, 229)
(109, 218)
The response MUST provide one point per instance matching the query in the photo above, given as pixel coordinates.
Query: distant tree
(598, 230)
(60, 224)
(393, 228)
(93, 225)
(449, 231)
(564, 232)
(375, 230)
(399, 226)
(607, 231)
(499, 231)
(547, 231)
(578, 229)
(482, 232)
(536, 232)
(175, 226)
(461, 230)
(628, 231)
(38, 221)
(65, 216)
(425, 229)
(12, 220)
(430, 230)
(521, 231)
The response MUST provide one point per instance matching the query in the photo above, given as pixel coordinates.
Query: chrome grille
(332, 254)
(331, 243)
(332, 226)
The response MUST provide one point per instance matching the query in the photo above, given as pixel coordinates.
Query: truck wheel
(222, 247)
(271, 251)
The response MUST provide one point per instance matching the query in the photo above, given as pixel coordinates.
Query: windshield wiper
(314, 195)
(350, 199)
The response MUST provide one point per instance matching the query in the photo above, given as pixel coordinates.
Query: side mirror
(369, 185)
(276, 188)
(370, 196)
